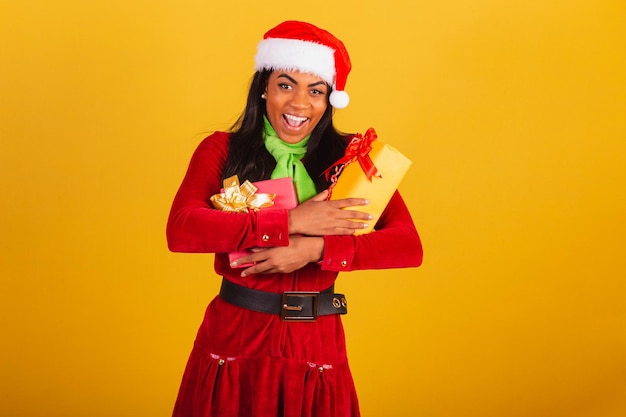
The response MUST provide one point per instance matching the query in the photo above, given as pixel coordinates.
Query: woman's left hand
(284, 259)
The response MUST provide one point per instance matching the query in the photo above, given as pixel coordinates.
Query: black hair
(249, 160)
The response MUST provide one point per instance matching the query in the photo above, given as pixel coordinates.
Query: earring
(263, 96)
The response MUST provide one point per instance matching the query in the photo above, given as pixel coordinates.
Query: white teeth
(297, 120)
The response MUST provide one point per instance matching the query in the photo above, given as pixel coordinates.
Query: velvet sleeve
(194, 226)
(394, 243)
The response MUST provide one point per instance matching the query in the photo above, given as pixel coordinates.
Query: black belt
(291, 305)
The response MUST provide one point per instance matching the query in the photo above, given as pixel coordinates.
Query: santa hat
(301, 46)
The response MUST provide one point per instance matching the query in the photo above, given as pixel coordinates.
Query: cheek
(320, 109)
(271, 106)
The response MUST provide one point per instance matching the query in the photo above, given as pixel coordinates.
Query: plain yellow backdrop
(513, 113)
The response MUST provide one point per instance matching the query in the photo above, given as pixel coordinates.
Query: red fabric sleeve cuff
(338, 253)
(272, 228)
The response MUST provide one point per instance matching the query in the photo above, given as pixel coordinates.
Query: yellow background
(513, 113)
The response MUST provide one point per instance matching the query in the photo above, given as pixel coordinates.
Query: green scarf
(288, 161)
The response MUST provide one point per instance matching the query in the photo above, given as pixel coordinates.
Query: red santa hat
(301, 46)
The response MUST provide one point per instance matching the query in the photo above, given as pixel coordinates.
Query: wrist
(291, 224)
(317, 251)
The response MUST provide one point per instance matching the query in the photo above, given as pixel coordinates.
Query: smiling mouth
(295, 121)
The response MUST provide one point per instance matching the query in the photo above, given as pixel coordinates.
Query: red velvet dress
(246, 363)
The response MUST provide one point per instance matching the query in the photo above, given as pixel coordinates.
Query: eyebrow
(321, 82)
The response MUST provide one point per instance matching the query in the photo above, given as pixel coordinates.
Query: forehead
(298, 76)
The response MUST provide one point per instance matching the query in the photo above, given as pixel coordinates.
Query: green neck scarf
(288, 161)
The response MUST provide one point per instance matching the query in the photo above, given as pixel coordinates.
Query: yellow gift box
(379, 188)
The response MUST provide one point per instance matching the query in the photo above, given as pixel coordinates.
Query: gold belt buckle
(298, 304)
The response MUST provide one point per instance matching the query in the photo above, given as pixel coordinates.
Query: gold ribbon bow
(240, 198)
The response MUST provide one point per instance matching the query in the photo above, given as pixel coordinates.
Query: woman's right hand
(318, 216)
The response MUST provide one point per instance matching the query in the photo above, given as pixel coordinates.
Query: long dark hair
(247, 156)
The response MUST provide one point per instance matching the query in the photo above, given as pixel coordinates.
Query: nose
(300, 99)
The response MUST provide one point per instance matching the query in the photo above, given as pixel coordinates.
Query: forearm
(203, 229)
(394, 244)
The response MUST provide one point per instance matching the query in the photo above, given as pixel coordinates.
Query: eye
(317, 92)
(284, 86)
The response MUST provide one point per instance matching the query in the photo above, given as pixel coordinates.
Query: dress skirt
(250, 364)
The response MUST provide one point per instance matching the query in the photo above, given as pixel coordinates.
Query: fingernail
(366, 201)
(234, 264)
(365, 225)
(370, 217)
(243, 274)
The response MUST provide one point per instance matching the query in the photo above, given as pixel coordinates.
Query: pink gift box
(286, 198)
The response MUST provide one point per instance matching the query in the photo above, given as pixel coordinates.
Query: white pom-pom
(339, 99)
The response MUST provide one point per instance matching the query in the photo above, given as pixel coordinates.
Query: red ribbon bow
(359, 149)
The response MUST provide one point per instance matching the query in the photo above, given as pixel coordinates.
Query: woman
(261, 350)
